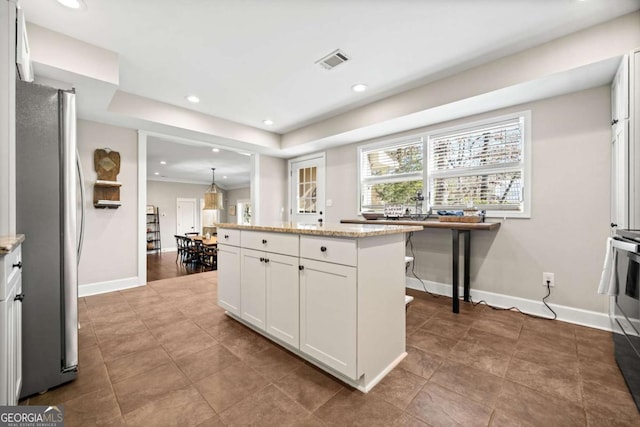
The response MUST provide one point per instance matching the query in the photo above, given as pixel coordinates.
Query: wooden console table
(456, 228)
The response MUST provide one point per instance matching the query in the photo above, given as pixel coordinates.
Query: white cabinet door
(253, 288)
(12, 373)
(17, 339)
(282, 297)
(6, 337)
(620, 93)
(10, 347)
(620, 176)
(229, 278)
(328, 310)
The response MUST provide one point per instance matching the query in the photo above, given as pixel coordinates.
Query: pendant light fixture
(213, 196)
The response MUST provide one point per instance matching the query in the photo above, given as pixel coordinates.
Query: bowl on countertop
(371, 215)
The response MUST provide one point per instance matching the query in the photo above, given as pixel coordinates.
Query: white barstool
(407, 261)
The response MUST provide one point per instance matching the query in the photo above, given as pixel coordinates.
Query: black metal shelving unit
(153, 230)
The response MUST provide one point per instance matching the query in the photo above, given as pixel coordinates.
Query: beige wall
(110, 250)
(272, 189)
(164, 195)
(232, 198)
(570, 211)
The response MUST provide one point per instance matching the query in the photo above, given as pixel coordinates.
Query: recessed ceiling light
(224, 177)
(215, 150)
(73, 4)
(268, 122)
(163, 162)
(156, 173)
(360, 87)
(192, 98)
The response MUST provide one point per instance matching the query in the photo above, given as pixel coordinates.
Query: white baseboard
(174, 249)
(110, 286)
(577, 316)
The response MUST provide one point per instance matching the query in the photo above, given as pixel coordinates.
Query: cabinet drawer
(8, 271)
(329, 249)
(280, 243)
(229, 236)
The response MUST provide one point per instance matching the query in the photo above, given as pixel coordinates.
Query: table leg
(456, 269)
(467, 262)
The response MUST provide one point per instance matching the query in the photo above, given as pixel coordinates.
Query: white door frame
(323, 159)
(196, 209)
(142, 208)
(142, 192)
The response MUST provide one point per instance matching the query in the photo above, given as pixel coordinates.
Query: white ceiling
(192, 163)
(253, 59)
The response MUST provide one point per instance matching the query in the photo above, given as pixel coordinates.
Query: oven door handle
(625, 246)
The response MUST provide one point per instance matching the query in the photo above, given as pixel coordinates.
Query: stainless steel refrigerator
(47, 214)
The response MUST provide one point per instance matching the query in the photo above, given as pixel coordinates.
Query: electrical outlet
(550, 277)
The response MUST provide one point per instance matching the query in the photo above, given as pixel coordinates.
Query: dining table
(212, 241)
(457, 229)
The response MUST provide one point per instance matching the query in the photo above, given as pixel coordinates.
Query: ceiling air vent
(332, 60)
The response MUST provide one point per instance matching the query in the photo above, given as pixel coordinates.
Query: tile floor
(165, 354)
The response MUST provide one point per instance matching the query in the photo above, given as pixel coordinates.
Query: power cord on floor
(544, 301)
(409, 243)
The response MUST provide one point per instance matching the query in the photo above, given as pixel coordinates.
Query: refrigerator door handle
(82, 205)
(69, 214)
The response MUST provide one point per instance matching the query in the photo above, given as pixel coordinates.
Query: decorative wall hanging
(106, 191)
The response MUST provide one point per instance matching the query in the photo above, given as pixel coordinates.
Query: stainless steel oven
(625, 309)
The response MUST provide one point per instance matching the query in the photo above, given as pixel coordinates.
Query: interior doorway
(186, 217)
(243, 212)
(169, 168)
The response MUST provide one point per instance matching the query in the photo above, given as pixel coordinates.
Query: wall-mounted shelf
(103, 183)
(106, 194)
(106, 190)
(110, 204)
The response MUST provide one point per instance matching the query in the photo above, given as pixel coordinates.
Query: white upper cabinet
(620, 93)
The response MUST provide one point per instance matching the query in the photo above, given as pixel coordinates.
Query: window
(307, 183)
(390, 174)
(484, 164)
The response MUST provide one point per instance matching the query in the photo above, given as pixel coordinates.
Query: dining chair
(179, 247)
(210, 257)
(193, 251)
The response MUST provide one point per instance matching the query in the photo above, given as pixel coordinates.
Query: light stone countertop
(332, 230)
(9, 243)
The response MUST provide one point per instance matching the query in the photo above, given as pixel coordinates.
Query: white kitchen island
(332, 294)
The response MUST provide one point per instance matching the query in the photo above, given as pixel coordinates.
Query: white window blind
(485, 164)
(482, 166)
(391, 173)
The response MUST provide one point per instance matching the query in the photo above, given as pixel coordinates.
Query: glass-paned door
(307, 189)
